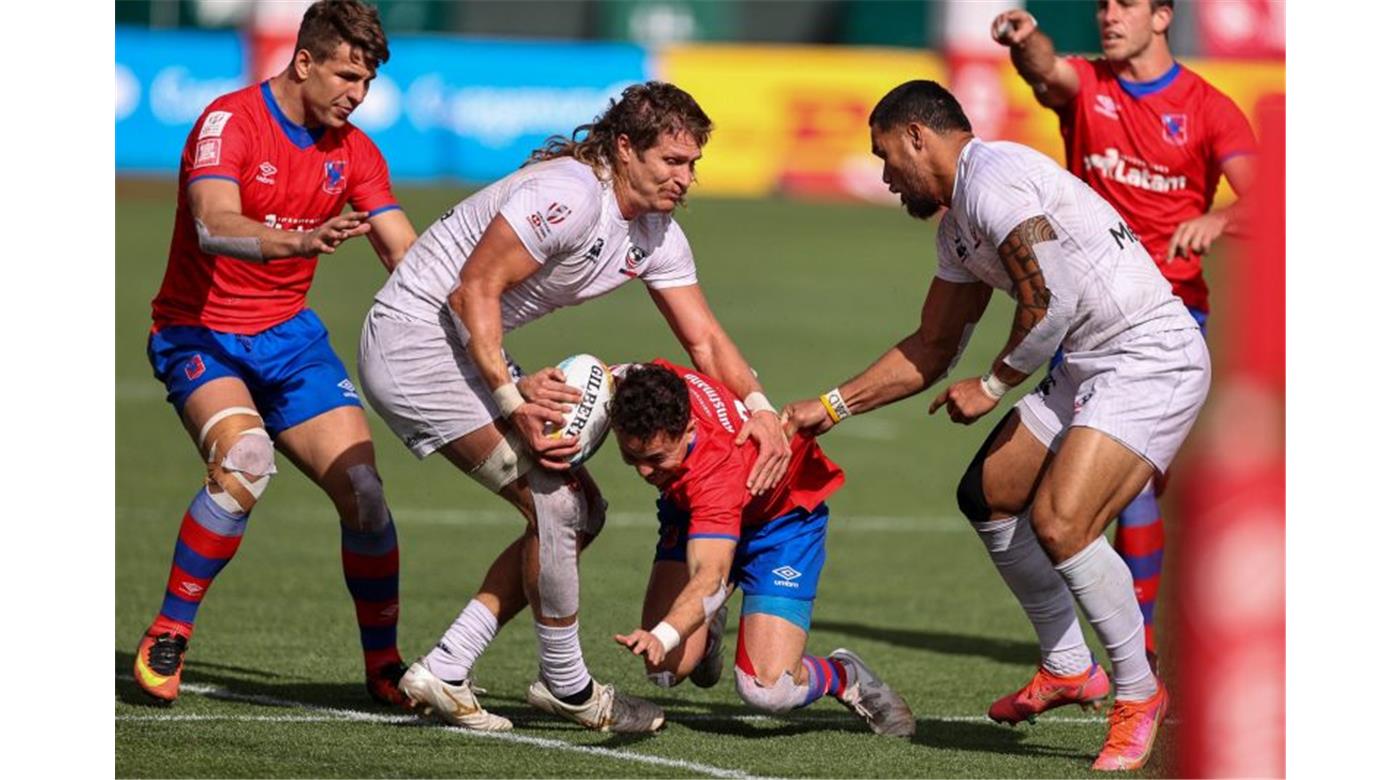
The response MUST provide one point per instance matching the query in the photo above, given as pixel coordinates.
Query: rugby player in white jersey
(1069, 456)
(579, 220)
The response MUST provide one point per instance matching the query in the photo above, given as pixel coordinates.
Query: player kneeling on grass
(676, 427)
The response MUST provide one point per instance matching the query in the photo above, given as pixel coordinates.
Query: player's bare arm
(913, 365)
(1198, 234)
(1034, 336)
(499, 262)
(714, 353)
(1052, 79)
(709, 561)
(217, 209)
(391, 234)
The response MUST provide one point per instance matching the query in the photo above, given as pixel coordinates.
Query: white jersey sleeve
(673, 265)
(555, 214)
(1000, 200)
(950, 267)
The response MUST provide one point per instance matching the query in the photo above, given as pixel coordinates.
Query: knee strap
(509, 460)
(560, 512)
(371, 507)
(782, 696)
(239, 458)
(972, 499)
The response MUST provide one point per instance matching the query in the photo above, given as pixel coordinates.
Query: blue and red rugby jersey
(289, 178)
(711, 484)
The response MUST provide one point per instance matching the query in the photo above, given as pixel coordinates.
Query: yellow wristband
(835, 405)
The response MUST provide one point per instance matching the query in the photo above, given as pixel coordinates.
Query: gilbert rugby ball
(588, 419)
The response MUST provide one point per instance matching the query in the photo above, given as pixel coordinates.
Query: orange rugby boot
(1132, 728)
(159, 660)
(1046, 691)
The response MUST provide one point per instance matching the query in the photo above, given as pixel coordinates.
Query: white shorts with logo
(1145, 393)
(420, 379)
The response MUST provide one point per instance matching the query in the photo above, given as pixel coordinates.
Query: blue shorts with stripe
(290, 369)
(777, 565)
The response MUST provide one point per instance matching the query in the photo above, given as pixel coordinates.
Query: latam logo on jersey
(1112, 165)
(334, 181)
(1174, 129)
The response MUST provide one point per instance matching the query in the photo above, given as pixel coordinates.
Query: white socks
(561, 660)
(1032, 578)
(462, 643)
(1103, 586)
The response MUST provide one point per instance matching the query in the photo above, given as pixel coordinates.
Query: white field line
(335, 714)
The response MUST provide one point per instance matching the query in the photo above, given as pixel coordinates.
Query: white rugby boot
(454, 704)
(876, 703)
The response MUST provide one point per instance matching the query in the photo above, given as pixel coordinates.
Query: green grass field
(812, 293)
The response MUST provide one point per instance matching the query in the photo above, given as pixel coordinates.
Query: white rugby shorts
(1144, 392)
(421, 381)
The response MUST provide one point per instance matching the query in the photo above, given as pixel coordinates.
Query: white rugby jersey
(570, 223)
(1119, 290)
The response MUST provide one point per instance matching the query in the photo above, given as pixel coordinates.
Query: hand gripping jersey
(1102, 266)
(1154, 151)
(710, 487)
(570, 223)
(288, 178)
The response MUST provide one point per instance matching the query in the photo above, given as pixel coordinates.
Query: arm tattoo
(1017, 257)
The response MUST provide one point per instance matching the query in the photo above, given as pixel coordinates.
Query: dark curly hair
(644, 113)
(649, 400)
(922, 101)
(328, 23)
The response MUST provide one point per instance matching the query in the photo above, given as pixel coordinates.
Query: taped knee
(239, 457)
(560, 511)
(782, 696)
(507, 462)
(372, 510)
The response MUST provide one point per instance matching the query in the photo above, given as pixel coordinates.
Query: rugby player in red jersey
(1152, 138)
(677, 428)
(264, 177)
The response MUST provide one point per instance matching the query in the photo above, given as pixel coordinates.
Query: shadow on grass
(1002, 650)
(250, 682)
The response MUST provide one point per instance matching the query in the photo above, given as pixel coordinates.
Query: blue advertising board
(441, 107)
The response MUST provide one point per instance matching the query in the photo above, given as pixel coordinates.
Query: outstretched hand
(643, 642)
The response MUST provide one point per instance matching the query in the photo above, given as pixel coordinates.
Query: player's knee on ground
(560, 514)
(371, 509)
(239, 457)
(774, 693)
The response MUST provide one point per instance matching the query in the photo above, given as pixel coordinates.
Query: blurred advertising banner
(791, 118)
(468, 109)
(1240, 28)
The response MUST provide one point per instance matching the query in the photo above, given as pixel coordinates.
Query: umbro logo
(1103, 104)
(192, 588)
(265, 173)
(788, 574)
(349, 389)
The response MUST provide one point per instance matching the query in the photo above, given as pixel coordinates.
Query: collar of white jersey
(964, 157)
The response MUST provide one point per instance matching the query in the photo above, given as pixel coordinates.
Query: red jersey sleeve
(369, 188)
(1085, 70)
(717, 500)
(220, 144)
(1230, 133)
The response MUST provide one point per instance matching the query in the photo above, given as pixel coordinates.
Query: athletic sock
(463, 642)
(209, 536)
(561, 663)
(1048, 604)
(825, 676)
(1140, 539)
(1104, 588)
(370, 560)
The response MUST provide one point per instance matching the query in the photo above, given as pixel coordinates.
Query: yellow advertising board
(792, 119)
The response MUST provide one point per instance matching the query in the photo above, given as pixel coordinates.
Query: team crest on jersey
(556, 213)
(214, 122)
(635, 256)
(1174, 128)
(334, 181)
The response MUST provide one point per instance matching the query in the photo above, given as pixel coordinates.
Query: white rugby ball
(588, 419)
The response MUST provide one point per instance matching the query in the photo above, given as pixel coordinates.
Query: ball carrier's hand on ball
(546, 400)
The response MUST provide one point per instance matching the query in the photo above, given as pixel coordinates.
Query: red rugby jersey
(1154, 151)
(711, 486)
(289, 178)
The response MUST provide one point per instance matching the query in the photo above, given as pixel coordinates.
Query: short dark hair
(644, 113)
(650, 399)
(329, 23)
(922, 101)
